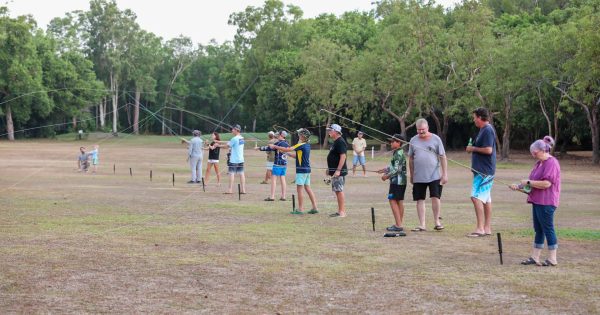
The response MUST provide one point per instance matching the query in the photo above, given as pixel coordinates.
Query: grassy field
(115, 243)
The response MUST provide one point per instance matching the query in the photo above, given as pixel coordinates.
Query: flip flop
(548, 263)
(418, 229)
(475, 234)
(438, 227)
(531, 261)
(269, 199)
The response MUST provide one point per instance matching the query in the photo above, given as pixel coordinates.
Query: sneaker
(191, 182)
(394, 228)
(313, 211)
(296, 211)
(337, 215)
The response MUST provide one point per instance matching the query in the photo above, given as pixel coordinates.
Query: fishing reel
(327, 180)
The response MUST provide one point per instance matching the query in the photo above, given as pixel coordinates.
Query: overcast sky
(201, 20)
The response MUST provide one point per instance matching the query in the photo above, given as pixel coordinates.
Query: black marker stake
(293, 202)
(373, 218)
(239, 192)
(203, 188)
(114, 168)
(500, 247)
(173, 179)
(130, 172)
(150, 175)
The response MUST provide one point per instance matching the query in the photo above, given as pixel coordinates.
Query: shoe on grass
(394, 228)
(313, 211)
(296, 211)
(337, 215)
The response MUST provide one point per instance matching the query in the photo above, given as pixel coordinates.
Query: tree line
(535, 65)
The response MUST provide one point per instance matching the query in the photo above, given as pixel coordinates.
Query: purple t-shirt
(546, 170)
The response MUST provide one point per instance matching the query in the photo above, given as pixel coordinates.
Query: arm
(411, 167)
(483, 150)
(292, 154)
(444, 162)
(537, 184)
(338, 170)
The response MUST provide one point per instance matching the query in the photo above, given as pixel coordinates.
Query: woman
(544, 181)
(213, 157)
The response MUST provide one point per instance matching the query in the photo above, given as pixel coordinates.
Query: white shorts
(213, 161)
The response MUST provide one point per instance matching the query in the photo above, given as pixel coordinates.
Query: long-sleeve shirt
(396, 170)
(195, 147)
(280, 157)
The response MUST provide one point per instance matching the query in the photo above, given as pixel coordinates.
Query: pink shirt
(546, 170)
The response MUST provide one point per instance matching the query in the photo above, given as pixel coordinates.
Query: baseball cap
(335, 127)
(283, 133)
(303, 132)
(361, 133)
(237, 126)
(397, 137)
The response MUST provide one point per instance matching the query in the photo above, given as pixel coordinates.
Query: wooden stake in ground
(500, 247)
(150, 175)
(114, 168)
(203, 188)
(239, 192)
(373, 217)
(293, 202)
(173, 179)
(130, 172)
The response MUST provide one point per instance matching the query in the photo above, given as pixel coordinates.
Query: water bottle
(470, 142)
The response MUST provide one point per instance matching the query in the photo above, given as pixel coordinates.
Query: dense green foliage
(536, 65)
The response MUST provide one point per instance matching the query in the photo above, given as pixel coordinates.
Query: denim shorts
(359, 159)
(236, 168)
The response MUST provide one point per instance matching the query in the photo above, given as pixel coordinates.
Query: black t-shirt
(333, 158)
(214, 153)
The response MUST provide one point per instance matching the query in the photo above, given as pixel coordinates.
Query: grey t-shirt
(195, 147)
(426, 153)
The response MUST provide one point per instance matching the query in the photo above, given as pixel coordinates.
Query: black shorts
(396, 192)
(420, 190)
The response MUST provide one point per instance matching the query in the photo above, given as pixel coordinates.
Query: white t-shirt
(359, 144)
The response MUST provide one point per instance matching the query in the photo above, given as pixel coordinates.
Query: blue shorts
(482, 187)
(279, 170)
(302, 179)
(358, 159)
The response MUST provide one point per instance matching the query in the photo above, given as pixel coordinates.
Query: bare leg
(536, 254)
(207, 175)
(283, 186)
(218, 174)
(341, 200)
(300, 198)
(421, 213)
(552, 256)
(398, 211)
(243, 182)
(354, 170)
(487, 213)
(478, 205)
(364, 170)
(436, 207)
(311, 195)
(231, 179)
(273, 187)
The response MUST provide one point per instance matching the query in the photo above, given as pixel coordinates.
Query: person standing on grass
(270, 158)
(336, 168)
(396, 173)
(213, 157)
(359, 145)
(428, 169)
(483, 165)
(544, 181)
(301, 152)
(279, 165)
(82, 160)
(95, 160)
(195, 157)
(236, 158)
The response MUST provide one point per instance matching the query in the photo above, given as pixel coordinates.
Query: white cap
(335, 127)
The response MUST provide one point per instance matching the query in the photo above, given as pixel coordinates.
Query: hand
(514, 187)
(384, 177)
(337, 174)
(444, 180)
(524, 182)
(470, 149)
(272, 146)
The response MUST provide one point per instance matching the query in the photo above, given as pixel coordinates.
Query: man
(270, 158)
(336, 167)
(483, 165)
(195, 149)
(428, 169)
(236, 159)
(359, 144)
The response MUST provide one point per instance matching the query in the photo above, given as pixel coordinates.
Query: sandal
(269, 199)
(281, 199)
(548, 263)
(419, 229)
(531, 261)
(438, 227)
(475, 234)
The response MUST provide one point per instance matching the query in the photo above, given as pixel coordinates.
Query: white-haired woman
(544, 181)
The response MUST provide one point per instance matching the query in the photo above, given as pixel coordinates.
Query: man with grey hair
(428, 169)
(195, 157)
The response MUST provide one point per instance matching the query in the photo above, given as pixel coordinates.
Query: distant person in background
(82, 160)
(544, 181)
(95, 158)
(235, 158)
(359, 145)
(213, 157)
(483, 164)
(195, 157)
(270, 158)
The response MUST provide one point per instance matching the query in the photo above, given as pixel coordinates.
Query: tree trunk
(115, 95)
(102, 113)
(326, 133)
(181, 122)
(543, 108)
(254, 125)
(136, 111)
(162, 132)
(507, 122)
(593, 121)
(10, 127)
(74, 122)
